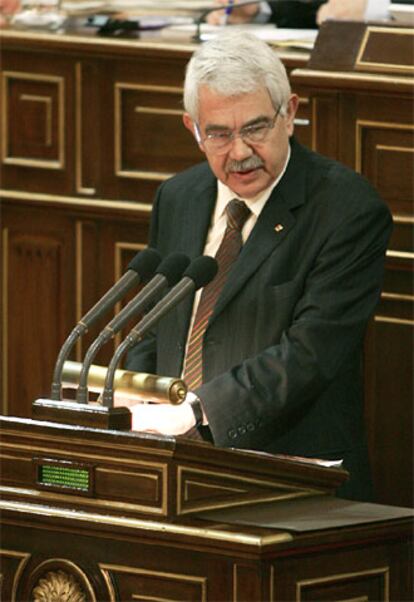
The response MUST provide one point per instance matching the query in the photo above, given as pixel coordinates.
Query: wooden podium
(94, 515)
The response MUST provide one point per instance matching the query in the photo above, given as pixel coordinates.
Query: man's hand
(163, 418)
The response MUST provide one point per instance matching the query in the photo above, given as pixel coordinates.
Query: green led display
(63, 476)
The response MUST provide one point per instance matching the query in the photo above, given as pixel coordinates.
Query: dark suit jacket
(282, 352)
(296, 14)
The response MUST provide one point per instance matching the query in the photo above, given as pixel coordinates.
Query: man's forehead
(220, 110)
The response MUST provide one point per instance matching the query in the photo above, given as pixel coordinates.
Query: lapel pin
(278, 227)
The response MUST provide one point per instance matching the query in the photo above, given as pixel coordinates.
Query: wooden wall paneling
(39, 280)
(384, 150)
(342, 575)
(37, 123)
(325, 123)
(389, 385)
(88, 278)
(303, 119)
(147, 141)
(120, 242)
(88, 148)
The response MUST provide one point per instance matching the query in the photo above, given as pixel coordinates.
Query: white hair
(235, 62)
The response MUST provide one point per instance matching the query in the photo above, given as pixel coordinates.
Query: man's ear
(292, 107)
(189, 124)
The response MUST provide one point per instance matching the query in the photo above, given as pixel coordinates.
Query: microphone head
(173, 266)
(202, 270)
(145, 263)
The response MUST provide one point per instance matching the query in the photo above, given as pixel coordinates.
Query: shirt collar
(255, 204)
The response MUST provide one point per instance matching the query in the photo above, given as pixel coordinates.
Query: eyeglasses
(219, 141)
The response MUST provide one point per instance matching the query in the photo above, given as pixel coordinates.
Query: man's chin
(247, 184)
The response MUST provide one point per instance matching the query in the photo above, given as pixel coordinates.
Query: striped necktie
(237, 213)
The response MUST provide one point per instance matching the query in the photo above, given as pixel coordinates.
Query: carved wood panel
(36, 299)
(33, 120)
(38, 128)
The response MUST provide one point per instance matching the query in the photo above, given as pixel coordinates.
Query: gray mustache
(246, 165)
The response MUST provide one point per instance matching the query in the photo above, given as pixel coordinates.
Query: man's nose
(240, 149)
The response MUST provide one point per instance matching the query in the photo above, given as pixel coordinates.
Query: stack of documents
(303, 39)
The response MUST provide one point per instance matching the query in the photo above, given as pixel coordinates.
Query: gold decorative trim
(158, 528)
(400, 254)
(291, 491)
(384, 571)
(119, 88)
(350, 76)
(74, 442)
(80, 189)
(34, 197)
(298, 122)
(391, 67)
(209, 486)
(25, 556)
(398, 218)
(272, 584)
(265, 497)
(46, 100)
(235, 592)
(153, 111)
(95, 41)
(58, 585)
(119, 248)
(397, 297)
(5, 321)
(79, 281)
(111, 591)
(44, 495)
(360, 124)
(398, 149)
(145, 175)
(150, 88)
(19, 458)
(58, 164)
(201, 581)
(359, 599)
(144, 598)
(74, 568)
(388, 320)
(314, 122)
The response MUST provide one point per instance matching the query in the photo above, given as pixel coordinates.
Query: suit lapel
(196, 215)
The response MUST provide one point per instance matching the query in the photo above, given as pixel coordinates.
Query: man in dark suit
(281, 353)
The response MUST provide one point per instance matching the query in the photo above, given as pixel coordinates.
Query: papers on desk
(161, 5)
(136, 7)
(303, 39)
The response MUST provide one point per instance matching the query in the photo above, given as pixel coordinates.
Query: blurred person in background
(299, 14)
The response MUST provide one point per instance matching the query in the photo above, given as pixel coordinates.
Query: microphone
(139, 270)
(168, 273)
(297, 14)
(200, 272)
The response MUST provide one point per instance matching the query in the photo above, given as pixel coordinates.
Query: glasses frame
(233, 135)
